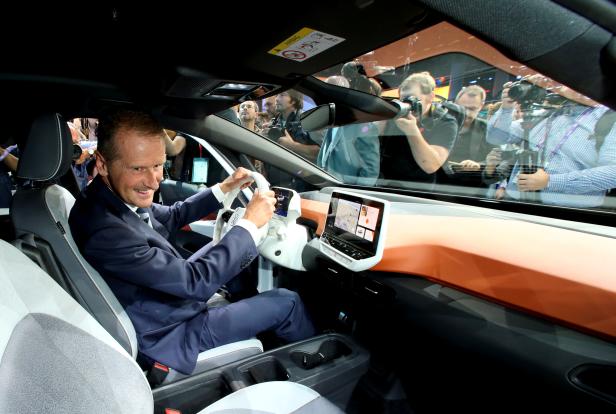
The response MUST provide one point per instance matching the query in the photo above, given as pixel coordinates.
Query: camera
(275, 132)
(526, 94)
(77, 151)
(410, 104)
(528, 160)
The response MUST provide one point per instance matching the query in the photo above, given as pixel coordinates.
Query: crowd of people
(557, 151)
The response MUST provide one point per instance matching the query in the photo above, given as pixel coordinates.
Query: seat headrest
(48, 151)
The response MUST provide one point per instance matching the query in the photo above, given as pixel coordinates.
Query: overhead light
(238, 91)
(222, 97)
(232, 90)
(237, 86)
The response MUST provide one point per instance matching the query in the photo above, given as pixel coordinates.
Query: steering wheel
(228, 217)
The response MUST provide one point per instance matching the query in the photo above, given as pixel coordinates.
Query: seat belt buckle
(157, 374)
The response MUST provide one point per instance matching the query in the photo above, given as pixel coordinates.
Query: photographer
(574, 147)
(467, 158)
(414, 147)
(286, 128)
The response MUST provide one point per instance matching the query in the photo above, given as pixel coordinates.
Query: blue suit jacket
(164, 295)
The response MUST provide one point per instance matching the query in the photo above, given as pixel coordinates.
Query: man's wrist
(218, 193)
(250, 227)
(415, 136)
(224, 187)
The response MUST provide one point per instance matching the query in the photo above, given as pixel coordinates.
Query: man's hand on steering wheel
(237, 179)
(260, 208)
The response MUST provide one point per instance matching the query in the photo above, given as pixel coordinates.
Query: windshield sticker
(305, 44)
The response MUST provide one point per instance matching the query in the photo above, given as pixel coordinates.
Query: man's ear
(101, 165)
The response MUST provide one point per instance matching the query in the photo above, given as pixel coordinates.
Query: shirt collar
(132, 208)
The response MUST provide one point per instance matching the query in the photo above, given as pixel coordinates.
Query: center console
(331, 364)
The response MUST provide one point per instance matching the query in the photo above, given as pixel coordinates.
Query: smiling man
(124, 235)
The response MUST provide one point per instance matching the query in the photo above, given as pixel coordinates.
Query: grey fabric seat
(54, 357)
(44, 210)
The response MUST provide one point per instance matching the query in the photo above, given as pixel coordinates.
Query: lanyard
(200, 151)
(541, 145)
(330, 145)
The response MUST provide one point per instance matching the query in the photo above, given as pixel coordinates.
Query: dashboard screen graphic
(355, 221)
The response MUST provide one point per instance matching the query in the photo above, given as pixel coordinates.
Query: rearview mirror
(322, 116)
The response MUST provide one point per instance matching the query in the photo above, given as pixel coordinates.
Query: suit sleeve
(187, 211)
(119, 251)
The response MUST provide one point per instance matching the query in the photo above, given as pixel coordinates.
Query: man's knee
(286, 299)
(288, 295)
(292, 295)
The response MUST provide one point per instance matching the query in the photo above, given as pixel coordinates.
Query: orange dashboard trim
(528, 266)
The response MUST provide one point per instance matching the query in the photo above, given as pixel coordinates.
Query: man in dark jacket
(124, 235)
(414, 147)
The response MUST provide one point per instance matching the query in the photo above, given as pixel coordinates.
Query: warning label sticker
(305, 44)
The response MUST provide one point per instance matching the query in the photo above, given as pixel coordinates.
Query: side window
(83, 134)
(192, 167)
(9, 158)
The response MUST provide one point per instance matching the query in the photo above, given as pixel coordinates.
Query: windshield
(471, 122)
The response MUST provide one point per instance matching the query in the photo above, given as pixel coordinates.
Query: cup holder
(269, 369)
(328, 351)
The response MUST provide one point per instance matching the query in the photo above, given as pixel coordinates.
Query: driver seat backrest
(44, 211)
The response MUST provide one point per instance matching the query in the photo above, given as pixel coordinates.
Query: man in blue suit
(124, 235)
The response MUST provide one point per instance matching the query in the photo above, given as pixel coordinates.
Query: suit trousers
(278, 310)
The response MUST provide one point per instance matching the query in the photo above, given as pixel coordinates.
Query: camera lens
(77, 151)
(275, 133)
(526, 93)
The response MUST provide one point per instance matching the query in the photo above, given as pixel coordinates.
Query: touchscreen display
(283, 198)
(354, 220)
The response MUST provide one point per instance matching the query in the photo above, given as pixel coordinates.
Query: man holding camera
(574, 147)
(286, 128)
(415, 146)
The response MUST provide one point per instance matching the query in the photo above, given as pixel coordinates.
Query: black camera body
(526, 94)
(275, 132)
(77, 151)
(409, 105)
(528, 160)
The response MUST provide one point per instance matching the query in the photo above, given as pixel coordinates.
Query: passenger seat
(43, 211)
(54, 357)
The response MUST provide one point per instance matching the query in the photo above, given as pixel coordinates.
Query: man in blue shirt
(576, 165)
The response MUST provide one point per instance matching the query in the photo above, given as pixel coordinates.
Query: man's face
(283, 103)
(414, 89)
(472, 103)
(248, 111)
(270, 105)
(135, 175)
